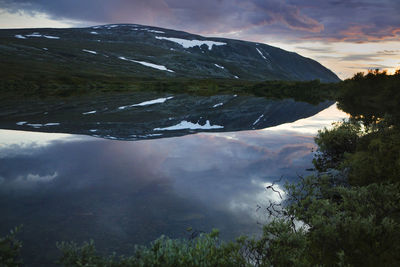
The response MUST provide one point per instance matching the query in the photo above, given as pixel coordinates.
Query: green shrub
(377, 159)
(333, 144)
(205, 250)
(10, 249)
(359, 226)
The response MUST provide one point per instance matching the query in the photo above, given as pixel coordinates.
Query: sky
(347, 36)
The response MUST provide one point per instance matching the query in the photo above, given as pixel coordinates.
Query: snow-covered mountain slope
(144, 51)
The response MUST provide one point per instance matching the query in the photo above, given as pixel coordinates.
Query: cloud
(37, 178)
(101, 11)
(317, 49)
(371, 67)
(291, 20)
(355, 20)
(288, 15)
(372, 57)
(367, 33)
(389, 52)
(360, 57)
(204, 173)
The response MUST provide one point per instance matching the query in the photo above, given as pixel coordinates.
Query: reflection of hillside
(151, 115)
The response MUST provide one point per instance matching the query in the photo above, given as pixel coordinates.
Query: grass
(46, 80)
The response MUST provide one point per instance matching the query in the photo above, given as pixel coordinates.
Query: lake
(120, 192)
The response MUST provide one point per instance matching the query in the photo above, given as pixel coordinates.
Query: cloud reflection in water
(120, 192)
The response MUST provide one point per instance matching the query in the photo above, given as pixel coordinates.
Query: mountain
(131, 50)
(148, 115)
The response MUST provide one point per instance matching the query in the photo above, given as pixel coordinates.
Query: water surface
(118, 193)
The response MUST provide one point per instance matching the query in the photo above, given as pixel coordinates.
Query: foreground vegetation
(347, 214)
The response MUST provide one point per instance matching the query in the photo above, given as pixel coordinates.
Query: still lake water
(120, 193)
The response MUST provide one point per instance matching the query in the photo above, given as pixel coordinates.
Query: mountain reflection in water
(150, 115)
(71, 187)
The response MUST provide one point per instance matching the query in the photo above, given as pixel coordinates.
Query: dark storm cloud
(331, 20)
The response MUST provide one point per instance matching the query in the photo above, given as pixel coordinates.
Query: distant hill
(130, 50)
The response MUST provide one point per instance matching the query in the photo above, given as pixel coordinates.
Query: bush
(377, 159)
(205, 250)
(335, 143)
(359, 226)
(10, 249)
(280, 245)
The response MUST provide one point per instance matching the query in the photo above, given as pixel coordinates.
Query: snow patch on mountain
(218, 105)
(36, 34)
(19, 36)
(154, 31)
(147, 30)
(147, 64)
(262, 55)
(89, 112)
(191, 43)
(89, 51)
(51, 37)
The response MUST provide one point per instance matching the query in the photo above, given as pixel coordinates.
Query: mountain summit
(143, 51)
